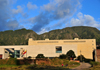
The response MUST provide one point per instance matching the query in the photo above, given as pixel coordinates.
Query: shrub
(42, 63)
(40, 56)
(94, 63)
(12, 61)
(3, 61)
(29, 57)
(81, 58)
(88, 60)
(71, 54)
(56, 61)
(27, 61)
(63, 56)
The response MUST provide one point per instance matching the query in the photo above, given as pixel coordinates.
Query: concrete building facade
(50, 48)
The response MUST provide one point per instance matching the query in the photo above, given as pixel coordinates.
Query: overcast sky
(45, 15)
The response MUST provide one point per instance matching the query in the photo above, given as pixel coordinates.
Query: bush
(63, 56)
(3, 61)
(81, 58)
(12, 61)
(56, 61)
(40, 56)
(29, 57)
(94, 63)
(88, 60)
(71, 54)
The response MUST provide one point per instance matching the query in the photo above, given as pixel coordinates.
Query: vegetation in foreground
(55, 63)
(95, 66)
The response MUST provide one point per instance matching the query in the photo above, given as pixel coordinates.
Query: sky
(45, 15)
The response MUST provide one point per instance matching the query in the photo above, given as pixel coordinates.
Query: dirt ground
(82, 66)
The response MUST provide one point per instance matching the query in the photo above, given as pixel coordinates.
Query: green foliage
(3, 62)
(56, 61)
(62, 56)
(40, 56)
(71, 54)
(10, 61)
(94, 63)
(17, 37)
(42, 63)
(29, 57)
(81, 58)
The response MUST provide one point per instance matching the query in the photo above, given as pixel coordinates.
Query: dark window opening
(58, 49)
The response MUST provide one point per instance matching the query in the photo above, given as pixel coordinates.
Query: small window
(12, 48)
(6, 52)
(58, 49)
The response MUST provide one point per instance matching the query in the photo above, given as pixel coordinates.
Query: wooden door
(0, 56)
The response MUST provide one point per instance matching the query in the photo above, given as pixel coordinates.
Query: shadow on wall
(93, 53)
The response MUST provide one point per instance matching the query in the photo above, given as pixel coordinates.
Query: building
(50, 48)
(98, 55)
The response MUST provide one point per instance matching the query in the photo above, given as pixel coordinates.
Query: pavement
(82, 66)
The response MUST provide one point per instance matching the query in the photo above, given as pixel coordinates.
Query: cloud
(30, 6)
(18, 10)
(13, 24)
(6, 15)
(54, 11)
(43, 30)
(84, 20)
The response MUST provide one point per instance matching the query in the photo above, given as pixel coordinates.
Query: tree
(62, 56)
(81, 58)
(40, 56)
(71, 54)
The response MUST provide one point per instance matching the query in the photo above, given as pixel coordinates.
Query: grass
(55, 65)
(31, 67)
(36, 67)
(95, 66)
(8, 66)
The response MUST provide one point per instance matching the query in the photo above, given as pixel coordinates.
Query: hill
(17, 37)
(82, 32)
(21, 36)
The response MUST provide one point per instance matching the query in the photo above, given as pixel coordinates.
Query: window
(58, 49)
(6, 52)
(17, 54)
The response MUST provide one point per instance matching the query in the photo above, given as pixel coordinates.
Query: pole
(80, 56)
(26, 53)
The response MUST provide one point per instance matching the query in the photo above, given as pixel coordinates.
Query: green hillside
(81, 32)
(17, 37)
(21, 36)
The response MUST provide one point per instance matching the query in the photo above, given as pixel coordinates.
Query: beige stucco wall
(48, 47)
(86, 46)
(2, 52)
(49, 50)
